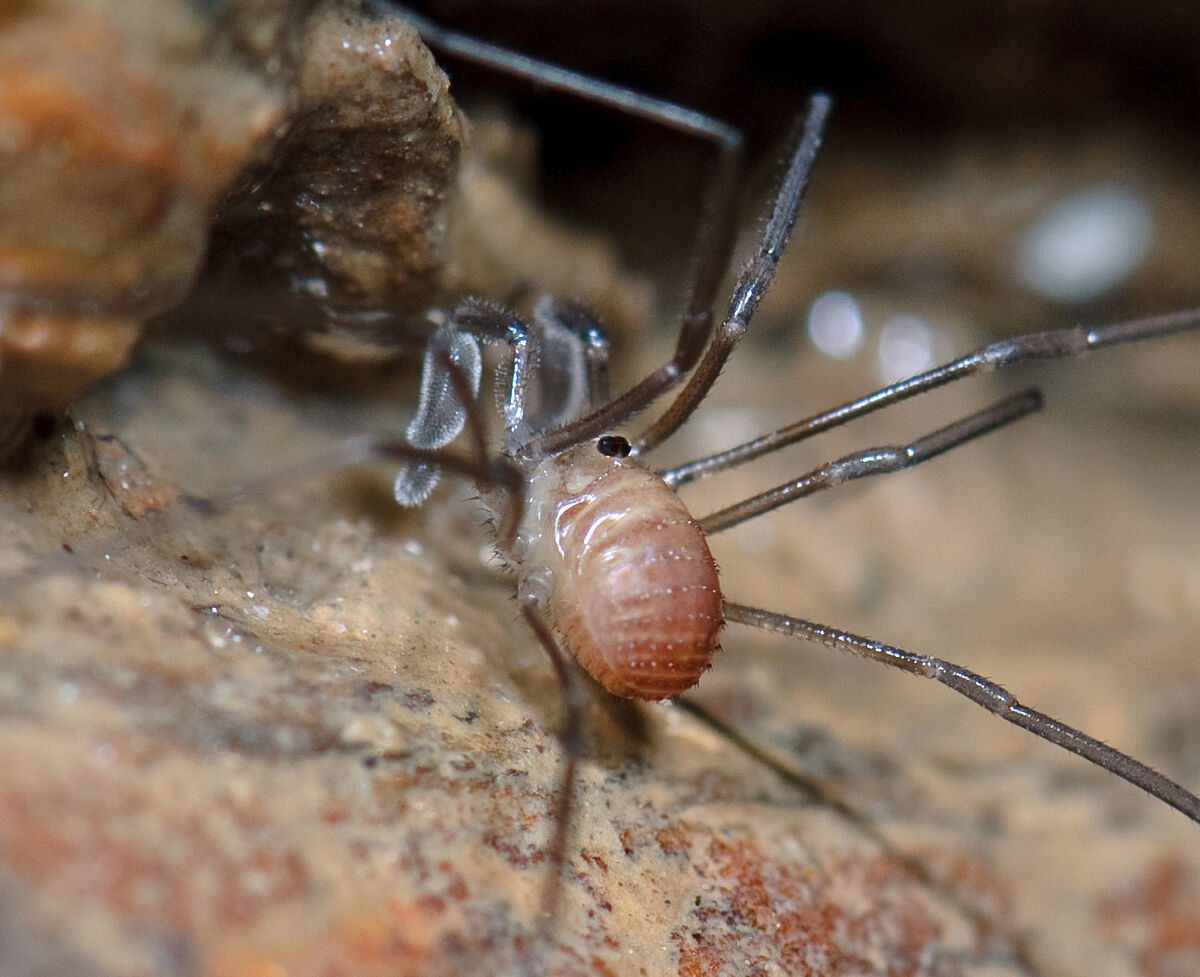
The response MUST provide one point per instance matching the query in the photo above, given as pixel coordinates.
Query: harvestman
(604, 550)
(565, 490)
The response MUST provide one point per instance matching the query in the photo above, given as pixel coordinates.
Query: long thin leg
(714, 242)
(751, 287)
(982, 691)
(1054, 344)
(877, 461)
(754, 282)
(571, 739)
(498, 473)
(544, 75)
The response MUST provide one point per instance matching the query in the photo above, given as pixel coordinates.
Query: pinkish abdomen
(636, 594)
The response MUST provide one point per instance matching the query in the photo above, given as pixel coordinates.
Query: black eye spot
(613, 446)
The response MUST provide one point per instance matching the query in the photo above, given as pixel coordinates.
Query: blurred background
(1033, 98)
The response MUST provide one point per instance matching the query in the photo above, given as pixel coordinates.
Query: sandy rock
(120, 133)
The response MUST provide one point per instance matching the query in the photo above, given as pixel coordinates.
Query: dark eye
(613, 446)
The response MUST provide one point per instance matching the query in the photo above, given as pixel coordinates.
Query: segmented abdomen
(636, 593)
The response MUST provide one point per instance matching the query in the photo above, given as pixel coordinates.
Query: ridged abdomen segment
(636, 594)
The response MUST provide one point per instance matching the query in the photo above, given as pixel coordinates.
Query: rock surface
(120, 132)
(307, 733)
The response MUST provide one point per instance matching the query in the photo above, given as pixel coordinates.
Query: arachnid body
(428, 719)
(651, 632)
